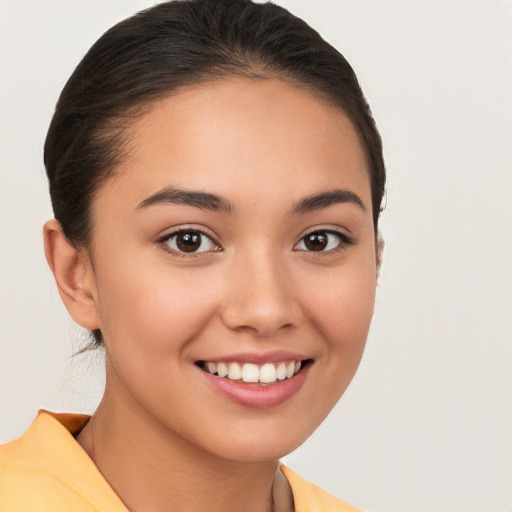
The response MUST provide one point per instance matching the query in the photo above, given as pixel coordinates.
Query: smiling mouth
(250, 373)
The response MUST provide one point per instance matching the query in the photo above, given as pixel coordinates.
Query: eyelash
(166, 239)
(343, 241)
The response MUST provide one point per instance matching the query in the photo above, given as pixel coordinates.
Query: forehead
(240, 137)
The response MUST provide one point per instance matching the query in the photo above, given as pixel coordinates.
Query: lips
(256, 384)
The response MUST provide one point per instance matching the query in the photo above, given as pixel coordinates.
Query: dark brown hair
(174, 45)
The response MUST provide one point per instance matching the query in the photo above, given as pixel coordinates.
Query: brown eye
(323, 241)
(316, 241)
(190, 242)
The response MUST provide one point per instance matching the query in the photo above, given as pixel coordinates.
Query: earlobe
(73, 275)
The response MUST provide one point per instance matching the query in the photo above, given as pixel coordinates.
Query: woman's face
(237, 236)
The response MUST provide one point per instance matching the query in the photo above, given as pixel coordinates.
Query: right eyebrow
(203, 200)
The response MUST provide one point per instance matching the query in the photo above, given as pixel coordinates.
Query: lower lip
(254, 395)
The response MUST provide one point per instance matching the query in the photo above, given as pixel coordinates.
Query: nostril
(260, 320)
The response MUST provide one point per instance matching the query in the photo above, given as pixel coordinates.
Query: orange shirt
(47, 470)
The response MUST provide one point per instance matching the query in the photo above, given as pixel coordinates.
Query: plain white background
(426, 425)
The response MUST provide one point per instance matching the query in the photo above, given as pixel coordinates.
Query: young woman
(216, 178)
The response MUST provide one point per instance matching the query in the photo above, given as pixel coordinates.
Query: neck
(151, 468)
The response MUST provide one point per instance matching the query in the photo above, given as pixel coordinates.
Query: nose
(260, 296)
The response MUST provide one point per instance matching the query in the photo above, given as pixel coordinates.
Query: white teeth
(268, 373)
(222, 369)
(250, 373)
(281, 371)
(234, 371)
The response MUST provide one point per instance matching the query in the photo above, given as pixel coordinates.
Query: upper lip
(274, 356)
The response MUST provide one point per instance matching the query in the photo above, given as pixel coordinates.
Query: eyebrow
(326, 199)
(208, 201)
(203, 200)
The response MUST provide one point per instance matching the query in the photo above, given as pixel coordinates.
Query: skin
(263, 146)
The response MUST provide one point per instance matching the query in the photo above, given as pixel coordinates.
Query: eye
(189, 241)
(322, 241)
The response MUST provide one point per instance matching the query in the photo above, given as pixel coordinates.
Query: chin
(261, 443)
(258, 452)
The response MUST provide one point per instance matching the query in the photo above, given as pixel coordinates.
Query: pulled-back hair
(170, 46)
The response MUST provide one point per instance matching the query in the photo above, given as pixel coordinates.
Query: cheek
(344, 305)
(152, 312)
(341, 307)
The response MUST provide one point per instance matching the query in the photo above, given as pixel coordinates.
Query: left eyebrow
(326, 199)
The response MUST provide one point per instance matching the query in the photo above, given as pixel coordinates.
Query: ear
(73, 273)
(379, 249)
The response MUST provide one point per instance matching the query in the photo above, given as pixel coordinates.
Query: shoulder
(27, 484)
(46, 469)
(309, 497)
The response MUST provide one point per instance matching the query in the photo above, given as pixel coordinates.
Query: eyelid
(180, 228)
